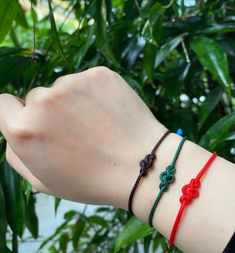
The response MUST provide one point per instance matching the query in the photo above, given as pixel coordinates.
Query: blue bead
(179, 132)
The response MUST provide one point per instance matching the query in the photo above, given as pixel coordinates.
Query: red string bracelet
(190, 191)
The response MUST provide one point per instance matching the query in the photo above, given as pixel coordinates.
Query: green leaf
(3, 222)
(222, 28)
(213, 58)
(131, 232)
(156, 14)
(14, 199)
(55, 35)
(8, 10)
(56, 204)
(27, 187)
(21, 18)
(209, 104)
(147, 241)
(31, 217)
(98, 220)
(77, 232)
(101, 34)
(218, 132)
(165, 50)
(149, 57)
(64, 239)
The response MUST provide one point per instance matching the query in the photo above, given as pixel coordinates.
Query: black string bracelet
(145, 164)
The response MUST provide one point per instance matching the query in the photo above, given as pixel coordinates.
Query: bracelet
(190, 191)
(167, 177)
(145, 164)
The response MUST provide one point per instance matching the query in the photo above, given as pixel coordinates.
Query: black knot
(146, 163)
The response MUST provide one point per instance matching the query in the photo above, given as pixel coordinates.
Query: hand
(81, 139)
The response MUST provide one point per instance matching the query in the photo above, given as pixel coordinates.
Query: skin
(82, 140)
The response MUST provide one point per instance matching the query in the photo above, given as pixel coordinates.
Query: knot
(146, 163)
(190, 191)
(167, 177)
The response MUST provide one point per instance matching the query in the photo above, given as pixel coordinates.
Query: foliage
(179, 56)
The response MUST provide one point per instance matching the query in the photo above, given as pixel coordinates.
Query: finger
(10, 107)
(19, 166)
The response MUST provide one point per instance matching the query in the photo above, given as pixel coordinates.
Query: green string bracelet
(167, 177)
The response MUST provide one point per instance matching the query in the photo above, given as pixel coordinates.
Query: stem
(14, 243)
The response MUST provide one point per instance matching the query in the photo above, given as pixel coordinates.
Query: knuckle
(60, 80)
(19, 131)
(101, 75)
(102, 71)
(39, 95)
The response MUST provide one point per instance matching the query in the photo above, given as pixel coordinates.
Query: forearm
(209, 221)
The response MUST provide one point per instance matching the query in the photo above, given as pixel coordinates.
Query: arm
(82, 140)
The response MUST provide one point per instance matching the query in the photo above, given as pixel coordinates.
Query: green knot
(167, 177)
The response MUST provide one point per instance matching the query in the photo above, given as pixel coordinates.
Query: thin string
(167, 177)
(145, 164)
(190, 191)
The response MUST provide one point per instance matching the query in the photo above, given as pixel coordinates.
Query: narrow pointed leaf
(213, 58)
(8, 10)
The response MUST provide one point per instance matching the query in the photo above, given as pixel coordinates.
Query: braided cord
(145, 164)
(190, 191)
(167, 177)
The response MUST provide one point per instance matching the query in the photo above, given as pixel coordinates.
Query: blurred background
(178, 55)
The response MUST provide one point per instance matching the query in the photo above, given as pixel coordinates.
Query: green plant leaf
(3, 222)
(209, 104)
(31, 217)
(55, 35)
(131, 232)
(77, 232)
(222, 28)
(155, 15)
(15, 204)
(217, 132)
(166, 49)
(8, 10)
(98, 220)
(213, 58)
(56, 204)
(149, 57)
(64, 239)
(27, 188)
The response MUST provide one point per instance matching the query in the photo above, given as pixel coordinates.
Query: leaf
(209, 104)
(77, 232)
(8, 10)
(56, 204)
(155, 15)
(213, 58)
(221, 28)
(98, 220)
(21, 18)
(27, 187)
(217, 132)
(64, 239)
(31, 220)
(3, 222)
(101, 34)
(149, 57)
(165, 50)
(131, 232)
(54, 32)
(14, 199)
(147, 241)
